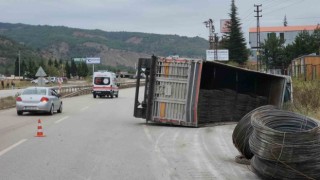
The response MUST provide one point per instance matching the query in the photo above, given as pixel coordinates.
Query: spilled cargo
(192, 92)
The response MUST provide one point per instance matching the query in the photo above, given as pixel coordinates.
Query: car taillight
(44, 99)
(18, 98)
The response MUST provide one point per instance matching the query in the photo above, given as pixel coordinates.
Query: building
(305, 67)
(287, 33)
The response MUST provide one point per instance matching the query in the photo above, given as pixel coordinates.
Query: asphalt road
(97, 139)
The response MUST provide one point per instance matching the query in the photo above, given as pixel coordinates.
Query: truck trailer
(193, 92)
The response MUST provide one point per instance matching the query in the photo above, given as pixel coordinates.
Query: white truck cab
(105, 84)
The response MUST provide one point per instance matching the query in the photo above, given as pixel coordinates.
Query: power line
(284, 7)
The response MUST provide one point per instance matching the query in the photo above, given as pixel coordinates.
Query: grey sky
(181, 17)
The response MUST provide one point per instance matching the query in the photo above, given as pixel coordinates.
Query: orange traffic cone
(40, 132)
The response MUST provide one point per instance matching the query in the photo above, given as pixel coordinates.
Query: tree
(23, 68)
(235, 41)
(50, 63)
(73, 69)
(16, 67)
(32, 69)
(67, 69)
(56, 64)
(83, 69)
(273, 51)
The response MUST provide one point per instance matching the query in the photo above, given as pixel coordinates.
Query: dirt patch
(7, 102)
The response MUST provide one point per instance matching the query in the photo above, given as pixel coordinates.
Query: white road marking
(58, 121)
(147, 132)
(11, 147)
(84, 108)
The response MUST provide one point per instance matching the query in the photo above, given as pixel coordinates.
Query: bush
(306, 98)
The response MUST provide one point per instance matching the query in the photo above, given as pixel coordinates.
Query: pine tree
(73, 69)
(67, 69)
(235, 41)
(50, 62)
(56, 64)
(23, 68)
(16, 67)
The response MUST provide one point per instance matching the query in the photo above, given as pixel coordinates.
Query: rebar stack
(223, 105)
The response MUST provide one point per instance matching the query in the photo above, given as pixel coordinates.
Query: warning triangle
(40, 72)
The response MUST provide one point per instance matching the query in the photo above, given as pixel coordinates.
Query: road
(97, 139)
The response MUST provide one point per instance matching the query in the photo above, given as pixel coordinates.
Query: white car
(35, 81)
(39, 99)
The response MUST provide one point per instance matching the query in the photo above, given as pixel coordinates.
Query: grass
(306, 98)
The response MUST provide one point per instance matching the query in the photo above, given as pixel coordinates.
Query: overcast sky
(181, 17)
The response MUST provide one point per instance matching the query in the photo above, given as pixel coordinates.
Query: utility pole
(259, 62)
(209, 24)
(216, 40)
(212, 37)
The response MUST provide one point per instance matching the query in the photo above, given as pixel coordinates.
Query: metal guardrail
(87, 89)
(66, 91)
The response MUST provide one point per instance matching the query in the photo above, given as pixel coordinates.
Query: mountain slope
(114, 48)
(9, 50)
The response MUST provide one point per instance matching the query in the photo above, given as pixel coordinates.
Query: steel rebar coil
(243, 130)
(284, 136)
(279, 170)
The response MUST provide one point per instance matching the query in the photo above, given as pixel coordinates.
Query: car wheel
(60, 109)
(19, 113)
(94, 96)
(51, 110)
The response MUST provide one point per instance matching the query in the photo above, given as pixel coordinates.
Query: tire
(51, 110)
(94, 96)
(19, 113)
(60, 109)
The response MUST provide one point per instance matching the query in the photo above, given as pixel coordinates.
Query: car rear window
(102, 80)
(35, 91)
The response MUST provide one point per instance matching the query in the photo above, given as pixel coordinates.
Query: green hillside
(44, 38)
(9, 50)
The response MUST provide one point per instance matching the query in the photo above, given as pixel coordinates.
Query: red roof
(284, 28)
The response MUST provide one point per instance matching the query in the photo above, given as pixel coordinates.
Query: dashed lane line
(12, 146)
(58, 121)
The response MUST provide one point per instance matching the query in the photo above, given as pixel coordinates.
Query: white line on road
(84, 108)
(11, 147)
(58, 121)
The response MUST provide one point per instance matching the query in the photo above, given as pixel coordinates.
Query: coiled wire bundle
(243, 131)
(285, 145)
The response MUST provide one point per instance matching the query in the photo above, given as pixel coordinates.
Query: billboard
(79, 59)
(93, 60)
(222, 55)
(224, 25)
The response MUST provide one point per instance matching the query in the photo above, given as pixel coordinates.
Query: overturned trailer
(191, 92)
